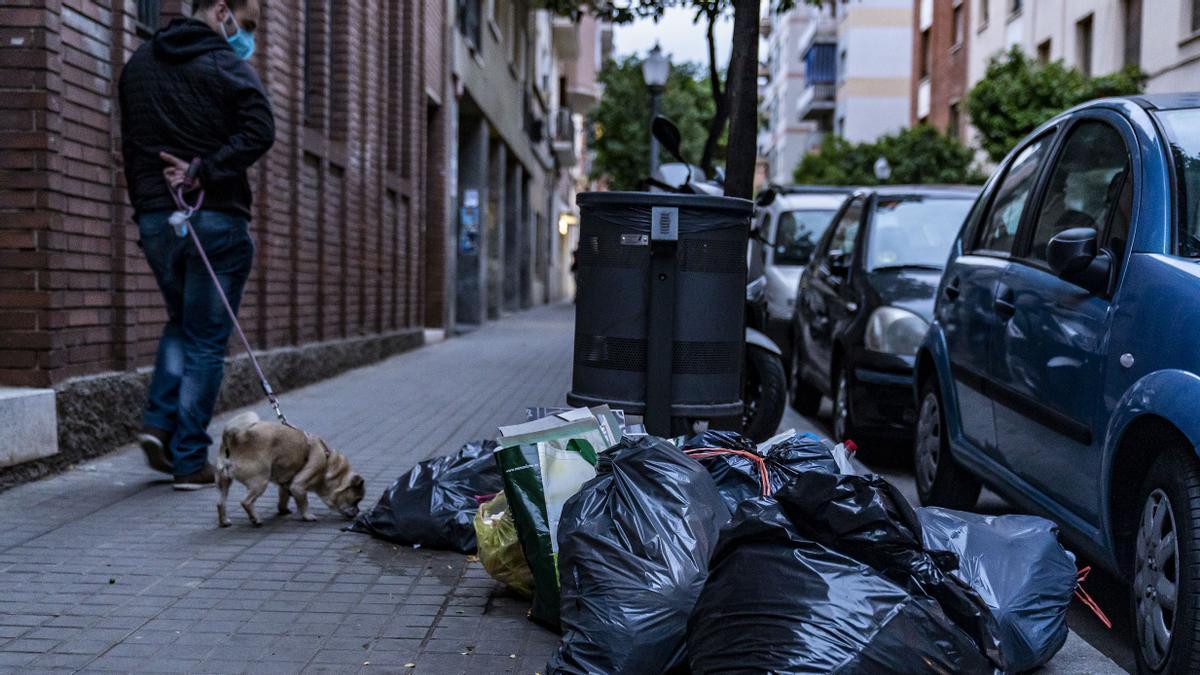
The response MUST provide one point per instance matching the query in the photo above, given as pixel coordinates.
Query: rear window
(914, 232)
(797, 235)
(1183, 132)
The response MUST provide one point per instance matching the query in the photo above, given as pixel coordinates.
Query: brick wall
(338, 221)
(947, 65)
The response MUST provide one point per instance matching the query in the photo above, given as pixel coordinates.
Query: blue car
(1061, 367)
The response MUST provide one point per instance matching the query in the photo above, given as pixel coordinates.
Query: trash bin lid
(736, 205)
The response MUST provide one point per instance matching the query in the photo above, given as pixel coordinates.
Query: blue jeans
(191, 352)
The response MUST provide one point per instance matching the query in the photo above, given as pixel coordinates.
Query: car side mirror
(1074, 255)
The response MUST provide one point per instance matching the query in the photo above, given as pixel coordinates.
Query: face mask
(241, 40)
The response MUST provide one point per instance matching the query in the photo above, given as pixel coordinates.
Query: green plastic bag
(499, 549)
(544, 463)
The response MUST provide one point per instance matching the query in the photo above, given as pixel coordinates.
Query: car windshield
(798, 233)
(914, 231)
(1183, 131)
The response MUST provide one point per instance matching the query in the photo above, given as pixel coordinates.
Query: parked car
(790, 220)
(1061, 367)
(864, 303)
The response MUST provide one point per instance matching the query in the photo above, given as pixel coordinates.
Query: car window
(914, 231)
(797, 234)
(1183, 133)
(845, 233)
(1000, 227)
(1085, 186)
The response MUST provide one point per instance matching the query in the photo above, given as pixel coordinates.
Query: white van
(789, 221)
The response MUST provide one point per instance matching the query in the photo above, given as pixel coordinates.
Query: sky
(679, 37)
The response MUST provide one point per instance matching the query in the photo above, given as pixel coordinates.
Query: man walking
(189, 93)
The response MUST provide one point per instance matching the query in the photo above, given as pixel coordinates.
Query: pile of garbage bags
(626, 545)
(634, 546)
(434, 504)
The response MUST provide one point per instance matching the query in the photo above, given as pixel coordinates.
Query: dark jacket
(187, 92)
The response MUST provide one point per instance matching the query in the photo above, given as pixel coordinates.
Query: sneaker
(154, 444)
(203, 478)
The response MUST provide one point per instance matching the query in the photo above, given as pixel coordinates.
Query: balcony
(820, 81)
(565, 34)
(564, 137)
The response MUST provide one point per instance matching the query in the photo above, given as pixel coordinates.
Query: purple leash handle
(190, 209)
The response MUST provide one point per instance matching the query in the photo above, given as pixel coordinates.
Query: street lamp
(655, 70)
(883, 169)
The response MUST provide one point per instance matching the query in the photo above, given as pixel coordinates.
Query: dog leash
(181, 220)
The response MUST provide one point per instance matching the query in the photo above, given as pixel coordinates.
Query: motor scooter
(764, 380)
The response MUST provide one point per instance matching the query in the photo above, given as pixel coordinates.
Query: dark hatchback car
(864, 304)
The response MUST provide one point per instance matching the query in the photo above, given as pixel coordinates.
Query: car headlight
(892, 330)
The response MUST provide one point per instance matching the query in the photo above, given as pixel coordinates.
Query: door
(1049, 365)
(828, 280)
(965, 308)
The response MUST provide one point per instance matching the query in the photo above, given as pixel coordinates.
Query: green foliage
(921, 154)
(622, 120)
(1017, 94)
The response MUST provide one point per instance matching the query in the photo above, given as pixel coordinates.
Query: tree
(741, 87)
(1017, 94)
(622, 125)
(921, 154)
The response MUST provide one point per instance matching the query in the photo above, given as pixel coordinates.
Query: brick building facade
(941, 37)
(349, 214)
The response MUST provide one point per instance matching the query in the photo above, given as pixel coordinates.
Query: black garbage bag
(867, 519)
(738, 477)
(633, 550)
(778, 601)
(434, 504)
(1019, 568)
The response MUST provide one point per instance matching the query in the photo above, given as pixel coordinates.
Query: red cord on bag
(764, 478)
(1087, 599)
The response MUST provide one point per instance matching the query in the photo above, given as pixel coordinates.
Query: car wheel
(940, 480)
(1165, 594)
(764, 394)
(806, 399)
(843, 420)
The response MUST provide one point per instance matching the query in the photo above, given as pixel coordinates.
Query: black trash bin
(638, 288)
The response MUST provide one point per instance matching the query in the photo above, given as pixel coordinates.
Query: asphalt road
(895, 464)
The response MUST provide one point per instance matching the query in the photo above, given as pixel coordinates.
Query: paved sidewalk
(107, 568)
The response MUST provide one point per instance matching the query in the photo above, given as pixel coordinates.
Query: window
(914, 231)
(1083, 44)
(470, 22)
(984, 12)
(926, 57)
(1183, 132)
(845, 234)
(1014, 6)
(1000, 228)
(1131, 18)
(1086, 184)
(147, 14)
(1043, 51)
(954, 121)
(959, 27)
(797, 235)
(1195, 15)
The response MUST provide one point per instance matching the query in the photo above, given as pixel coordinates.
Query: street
(106, 568)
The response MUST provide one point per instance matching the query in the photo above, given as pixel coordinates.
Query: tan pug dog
(257, 453)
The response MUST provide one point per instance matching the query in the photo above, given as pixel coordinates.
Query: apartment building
(874, 68)
(842, 69)
(1170, 47)
(523, 80)
(941, 45)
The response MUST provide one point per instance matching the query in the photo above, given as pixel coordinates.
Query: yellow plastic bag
(499, 548)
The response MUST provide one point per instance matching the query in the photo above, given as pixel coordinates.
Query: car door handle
(950, 290)
(1003, 303)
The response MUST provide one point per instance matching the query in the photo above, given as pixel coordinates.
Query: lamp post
(655, 70)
